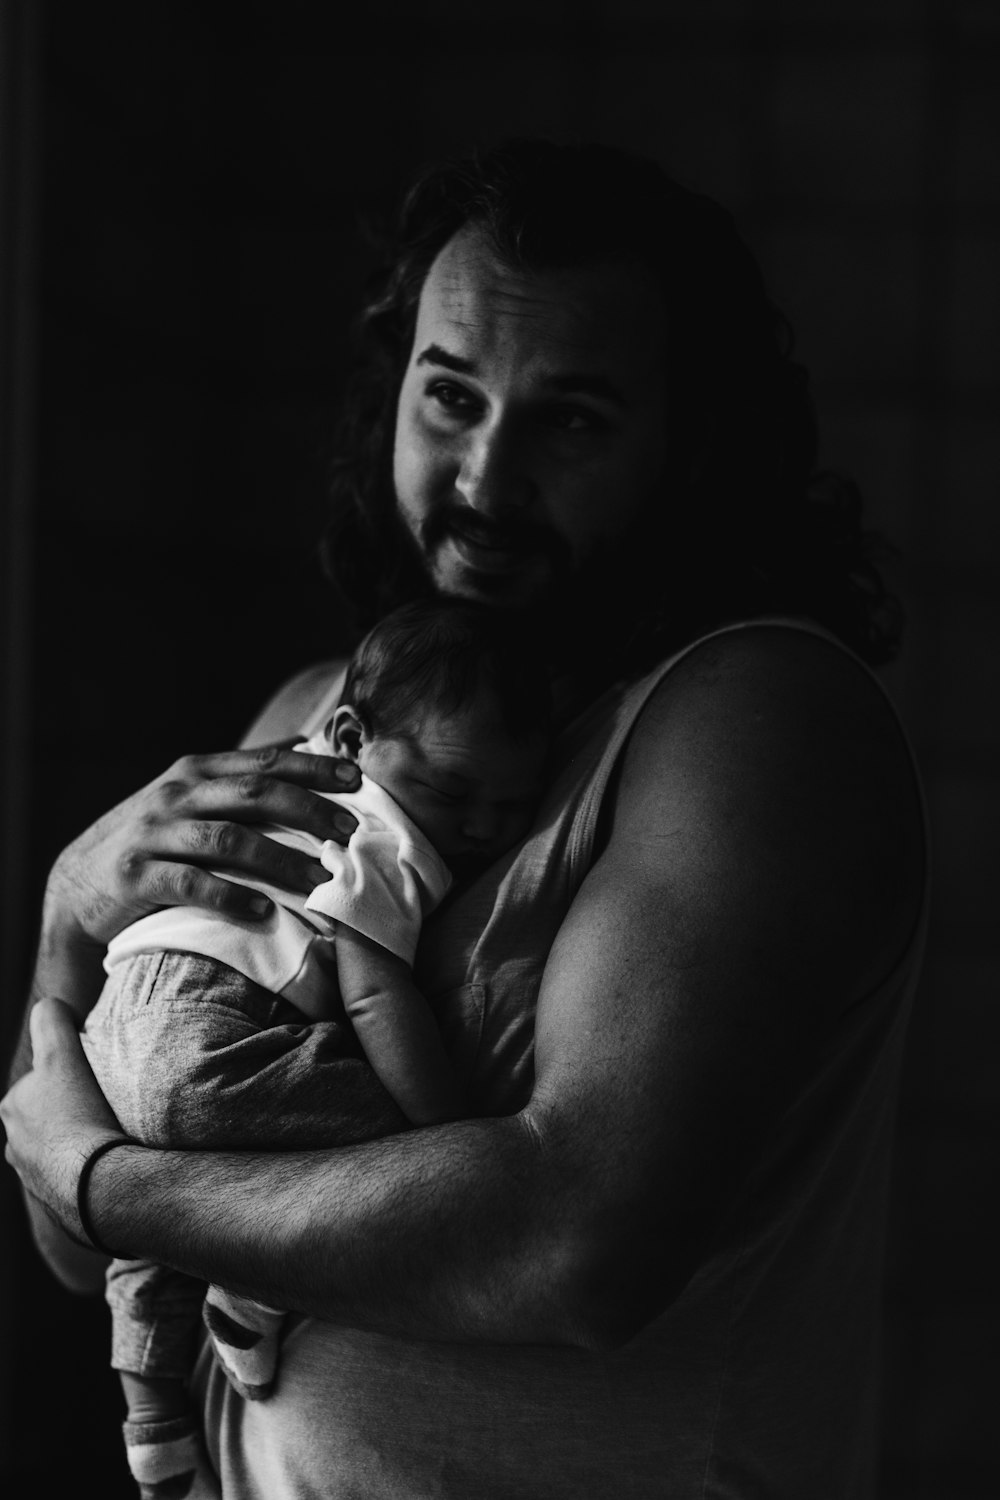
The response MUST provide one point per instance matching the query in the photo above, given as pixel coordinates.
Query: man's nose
(494, 475)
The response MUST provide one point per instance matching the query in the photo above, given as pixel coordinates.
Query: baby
(218, 1033)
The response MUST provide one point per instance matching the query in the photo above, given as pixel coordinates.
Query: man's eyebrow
(566, 385)
(587, 385)
(435, 355)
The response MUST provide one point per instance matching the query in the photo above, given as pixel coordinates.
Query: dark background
(179, 258)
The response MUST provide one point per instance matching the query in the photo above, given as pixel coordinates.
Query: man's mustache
(516, 535)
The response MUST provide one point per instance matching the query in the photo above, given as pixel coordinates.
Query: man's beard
(540, 571)
(526, 540)
(574, 609)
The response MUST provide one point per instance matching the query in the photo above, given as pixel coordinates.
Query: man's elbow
(596, 1270)
(603, 1328)
(82, 1280)
(605, 1298)
(75, 1267)
(602, 1324)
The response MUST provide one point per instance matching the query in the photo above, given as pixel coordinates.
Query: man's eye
(452, 397)
(573, 418)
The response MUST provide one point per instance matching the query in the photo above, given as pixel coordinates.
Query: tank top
(760, 1380)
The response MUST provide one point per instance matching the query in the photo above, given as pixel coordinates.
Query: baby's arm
(396, 1029)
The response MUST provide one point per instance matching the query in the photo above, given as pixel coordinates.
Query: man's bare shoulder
(774, 751)
(775, 698)
(284, 714)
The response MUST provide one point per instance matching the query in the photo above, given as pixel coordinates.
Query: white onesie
(383, 884)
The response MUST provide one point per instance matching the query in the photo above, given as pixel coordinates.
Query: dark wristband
(83, 1182)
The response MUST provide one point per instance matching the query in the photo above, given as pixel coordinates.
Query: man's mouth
(487, 555)
(491, 549)
(465, 551)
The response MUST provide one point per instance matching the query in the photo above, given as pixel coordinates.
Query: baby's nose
(481, 824)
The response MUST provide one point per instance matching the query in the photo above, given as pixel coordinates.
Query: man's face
(529, 431)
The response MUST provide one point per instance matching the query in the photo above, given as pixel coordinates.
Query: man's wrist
(69, 963)
(92, 1239)
(60, 925)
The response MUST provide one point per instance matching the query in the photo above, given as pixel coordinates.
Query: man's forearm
(68, 967)
(75, 1267)
(446, 1233)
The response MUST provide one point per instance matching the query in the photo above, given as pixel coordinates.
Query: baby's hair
(441, 654)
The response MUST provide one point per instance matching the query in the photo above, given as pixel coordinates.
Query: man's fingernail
(259, 905)
(344, 825)
(345, 772)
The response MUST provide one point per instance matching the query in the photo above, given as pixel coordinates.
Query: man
(652, 1260)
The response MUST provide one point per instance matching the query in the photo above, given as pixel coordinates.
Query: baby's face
(470, 788)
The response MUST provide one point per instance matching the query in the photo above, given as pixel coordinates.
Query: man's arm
(150, 851)
(86, 1123)
(66, 966)
(761, 873)
(294, 703)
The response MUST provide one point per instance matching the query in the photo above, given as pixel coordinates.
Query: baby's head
(447, 707)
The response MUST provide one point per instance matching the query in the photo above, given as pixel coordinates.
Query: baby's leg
(246, 1336)
(154, 1323)
(163, 1443)
(192, 1054)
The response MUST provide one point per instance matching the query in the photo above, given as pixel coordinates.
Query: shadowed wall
(197, 264)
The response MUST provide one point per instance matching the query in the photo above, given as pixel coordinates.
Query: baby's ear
(347, 733)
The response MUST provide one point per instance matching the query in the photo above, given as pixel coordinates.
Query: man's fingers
(182, 866)
(225, 848)
(165, 845)
(168, 883)
(55, 1114)
(254, 798)
(325, 773)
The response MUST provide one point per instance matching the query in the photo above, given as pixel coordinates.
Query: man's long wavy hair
(744, 525)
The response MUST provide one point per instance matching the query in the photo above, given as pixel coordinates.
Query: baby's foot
(246, 1336)
(168, 1461)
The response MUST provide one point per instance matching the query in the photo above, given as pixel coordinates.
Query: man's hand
(55, 1116)
(159, 847)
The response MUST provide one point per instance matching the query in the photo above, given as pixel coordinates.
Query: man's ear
(347, 733)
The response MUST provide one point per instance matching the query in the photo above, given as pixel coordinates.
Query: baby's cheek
(441, 830)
